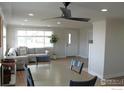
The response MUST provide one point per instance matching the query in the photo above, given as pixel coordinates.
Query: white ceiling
(15, 13)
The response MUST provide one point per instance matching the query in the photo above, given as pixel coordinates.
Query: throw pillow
(22, 51)
(12, 52)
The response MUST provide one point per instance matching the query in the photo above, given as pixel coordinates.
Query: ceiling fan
(66, 14)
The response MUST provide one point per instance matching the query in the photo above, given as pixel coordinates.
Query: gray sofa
(24, 55)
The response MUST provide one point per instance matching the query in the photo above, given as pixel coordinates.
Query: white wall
(85, 35)
(114, 53)
(11, 37)
(97, 49)
(106, 54)
(4, 27)
(60, 45)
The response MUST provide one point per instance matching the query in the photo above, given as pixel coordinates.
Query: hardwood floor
(20, 80)
(62, 65)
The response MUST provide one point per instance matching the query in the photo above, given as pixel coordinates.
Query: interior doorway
(71, 43)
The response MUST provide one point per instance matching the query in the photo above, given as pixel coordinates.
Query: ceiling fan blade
(51, 18)
(79, 19)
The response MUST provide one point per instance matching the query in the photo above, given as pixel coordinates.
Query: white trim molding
(83, 56)
(113, 75)
(95, 74)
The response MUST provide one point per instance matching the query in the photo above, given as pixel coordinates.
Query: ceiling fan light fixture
(26, 20)
(31, 14)
(104, 10)
(48, 25)
(58, 23)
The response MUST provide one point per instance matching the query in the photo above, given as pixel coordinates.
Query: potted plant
(54, 40)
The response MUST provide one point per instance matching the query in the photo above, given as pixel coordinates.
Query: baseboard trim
(95, 74)
(60, 57)
(82, 57)
(106, 76)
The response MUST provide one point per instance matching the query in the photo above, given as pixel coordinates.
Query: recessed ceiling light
(104, 10)
(31, 14)
(48, 25)
(58, 23)
(26, 20)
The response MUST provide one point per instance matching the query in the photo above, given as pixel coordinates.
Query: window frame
(43, 36)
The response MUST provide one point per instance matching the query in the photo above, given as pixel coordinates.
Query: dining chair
(90, 82)
(77, 66)
(29, 78)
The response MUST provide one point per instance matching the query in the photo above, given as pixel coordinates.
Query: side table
(8, 72)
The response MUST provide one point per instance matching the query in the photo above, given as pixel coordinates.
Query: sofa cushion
(39, 50)
(31, 50)
(34, 55)
(22, 51)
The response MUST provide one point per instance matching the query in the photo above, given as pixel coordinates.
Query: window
(69, 38)
(34, 39)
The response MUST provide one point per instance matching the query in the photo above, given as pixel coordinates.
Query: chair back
(30, 81)
(90, 82)
(77, 66)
